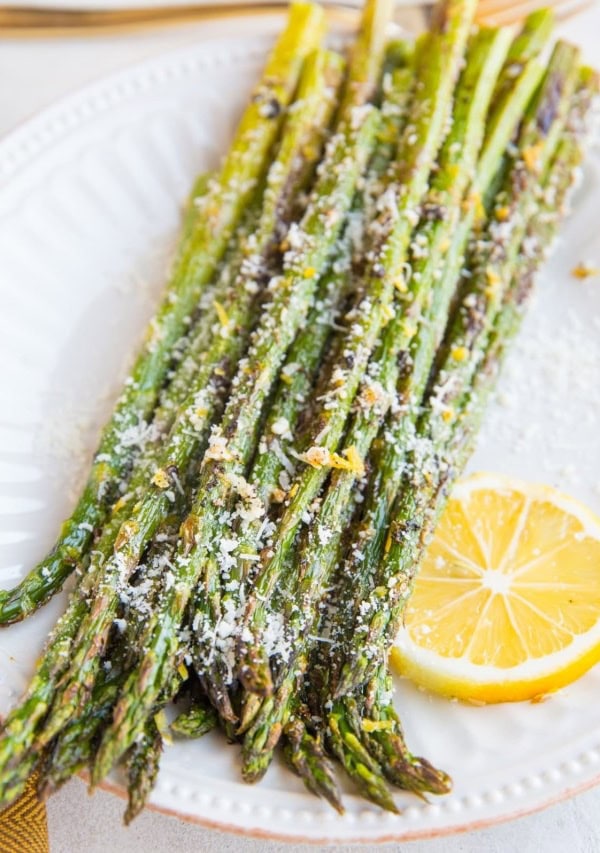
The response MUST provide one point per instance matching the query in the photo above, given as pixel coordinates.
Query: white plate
(90, 195)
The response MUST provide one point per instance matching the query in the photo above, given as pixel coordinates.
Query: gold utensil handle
(74, 21)
(20, 20)
(23, 825)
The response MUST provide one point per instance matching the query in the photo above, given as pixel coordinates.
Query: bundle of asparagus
(345, 288)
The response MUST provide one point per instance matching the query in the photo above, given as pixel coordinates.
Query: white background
(34, 72)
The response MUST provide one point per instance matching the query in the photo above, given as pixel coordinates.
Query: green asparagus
(226, 199)
(230, 444)
(456, 164)
(538, 139)
(438, 64)
(190, 429)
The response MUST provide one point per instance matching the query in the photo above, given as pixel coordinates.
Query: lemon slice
(506, 605)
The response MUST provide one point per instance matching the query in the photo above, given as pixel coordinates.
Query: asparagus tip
(220, 699)
(257, 679)
(250, 710)
(306, 757)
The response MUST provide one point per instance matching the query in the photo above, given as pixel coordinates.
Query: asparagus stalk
(197, 721)
(142, 769)
(191, 208)
(232, 443)
(531, 40)
(265, 732)
(358, 763)
(438, 64)
(73, 749)
(228, 194)
(538, 139)
(366, 56)
(16, 758)
(306, 756)
(381, 733)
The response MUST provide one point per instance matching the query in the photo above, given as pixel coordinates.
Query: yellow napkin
(23, 826)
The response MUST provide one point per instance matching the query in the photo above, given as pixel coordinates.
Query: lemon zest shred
(459, 353)
(377, 725)
(409, 329)
(161, 479)
(321, 457)
(583, 271)
(160, 718)
(119, 504)
(531, 156)
(475, 203)
(221, 314)
(337, 461)
(388, 313)
(354, 458)
(494, 282)
(388, 541)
